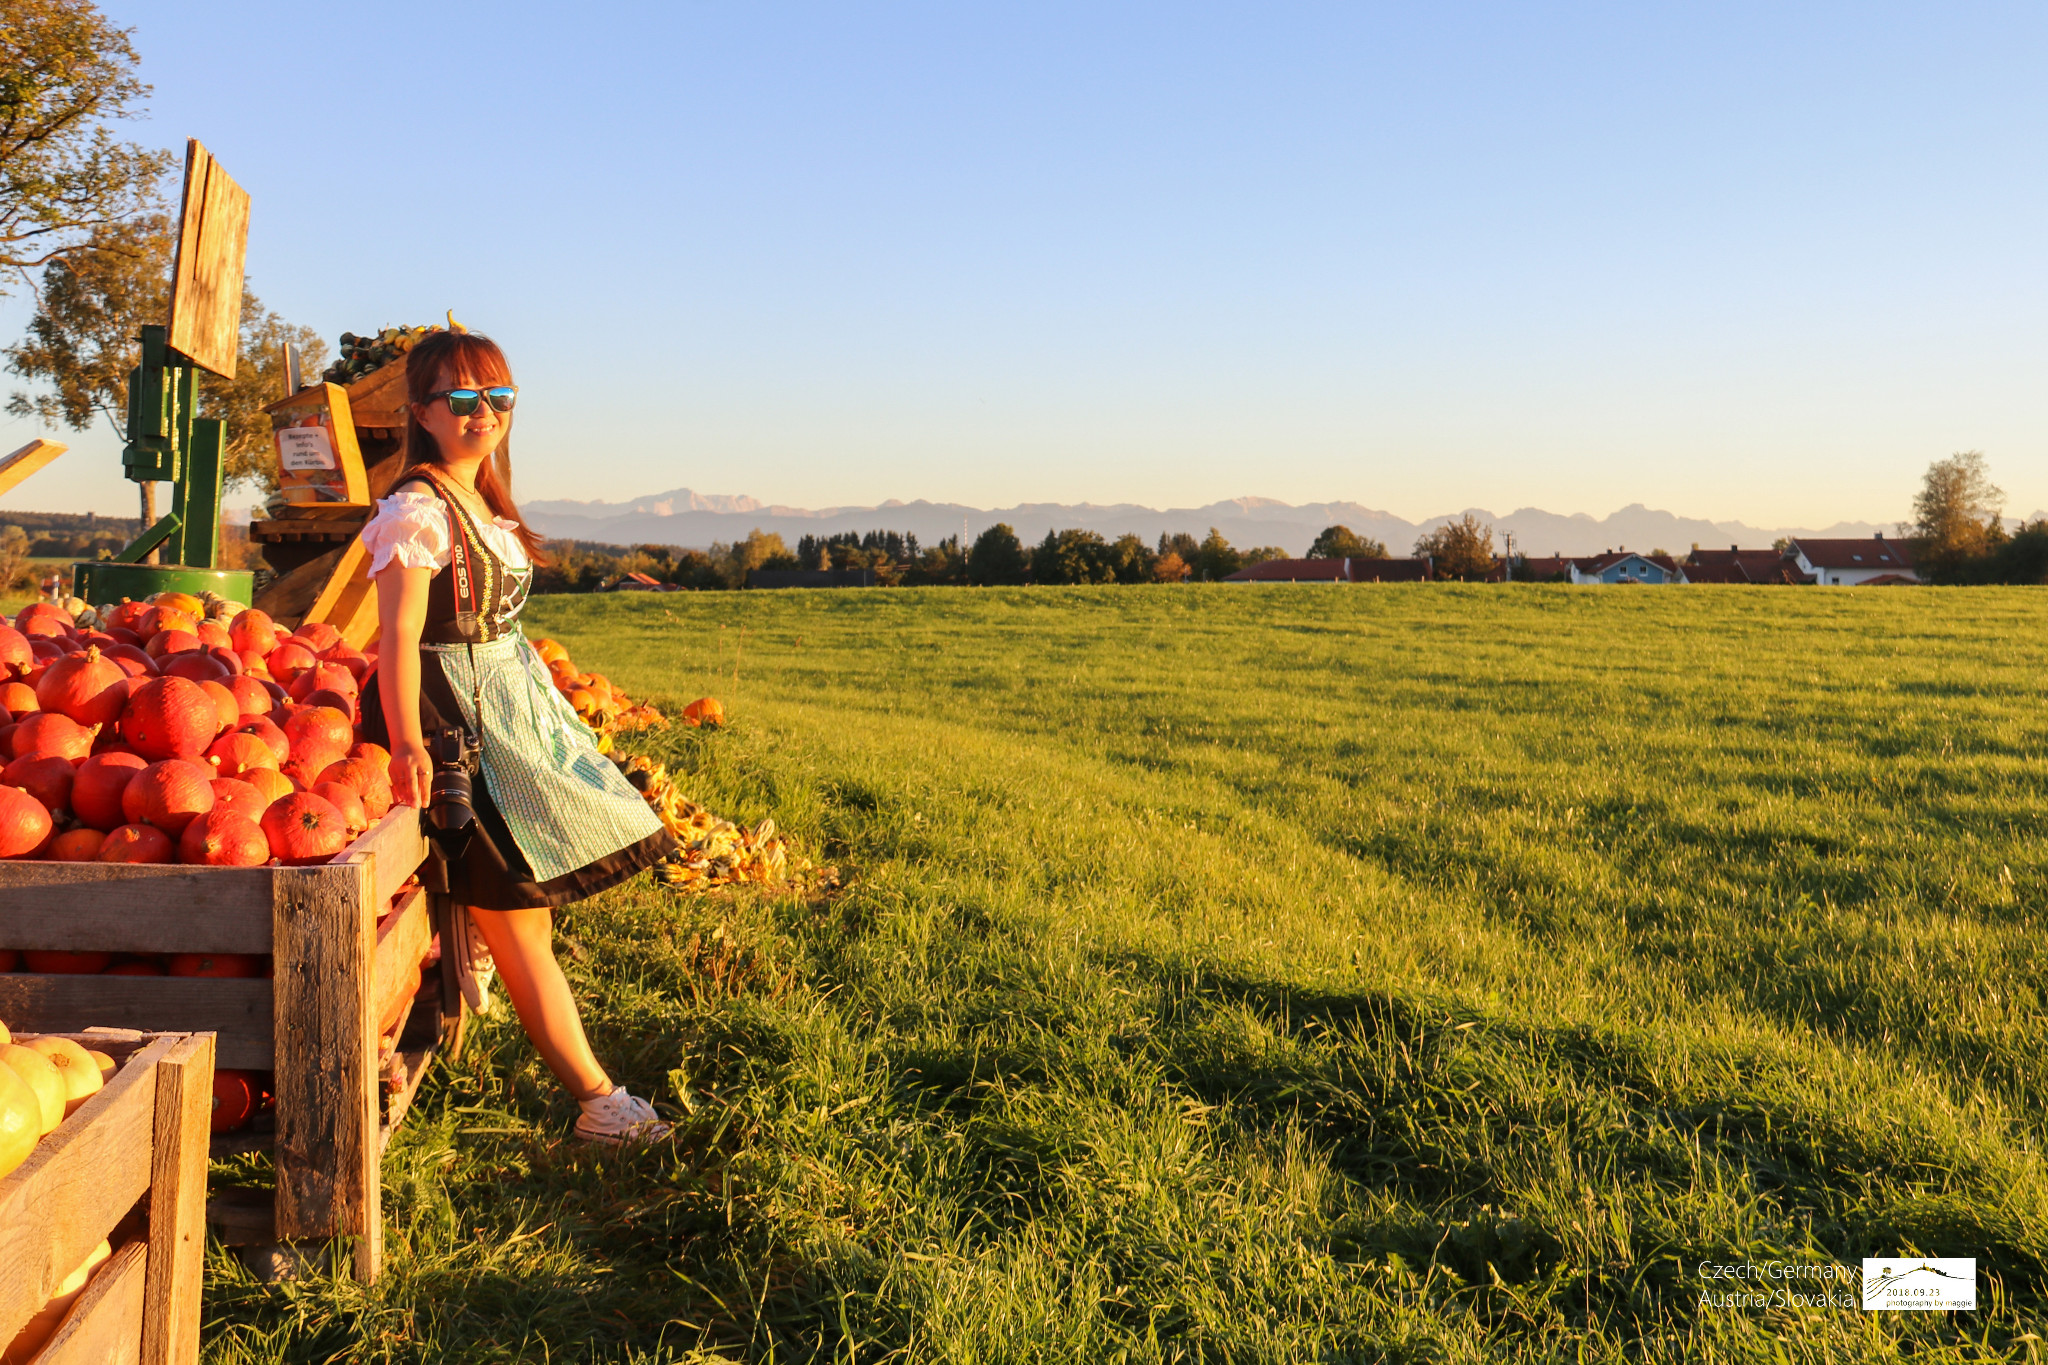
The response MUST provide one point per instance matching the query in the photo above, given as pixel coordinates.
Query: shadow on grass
(1509, 1159)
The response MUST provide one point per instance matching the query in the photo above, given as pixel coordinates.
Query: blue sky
(1742, 261)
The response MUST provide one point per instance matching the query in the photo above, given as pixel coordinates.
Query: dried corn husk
(714, 851)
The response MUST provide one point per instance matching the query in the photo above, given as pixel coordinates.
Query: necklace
(471, 500)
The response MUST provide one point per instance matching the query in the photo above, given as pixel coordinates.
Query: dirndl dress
(556, 820)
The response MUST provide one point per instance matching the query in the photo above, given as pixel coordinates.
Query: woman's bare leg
(522, 942)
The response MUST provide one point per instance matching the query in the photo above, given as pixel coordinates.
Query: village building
(1623, 566)
(1847, 563)
(1737, 565)
(1532, 569)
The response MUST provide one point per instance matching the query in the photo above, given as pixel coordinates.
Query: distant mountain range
(688, 518)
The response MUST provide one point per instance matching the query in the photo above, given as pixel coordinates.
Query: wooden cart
(345, 938)
(321, 571)
(138, 1147)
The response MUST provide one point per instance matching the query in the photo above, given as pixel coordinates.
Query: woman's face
(475, 437)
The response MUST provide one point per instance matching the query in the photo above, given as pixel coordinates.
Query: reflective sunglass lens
(502, 399)
(462, 402)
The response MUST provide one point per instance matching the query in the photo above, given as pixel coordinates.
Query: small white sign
(1927, 1284)
(300, 448)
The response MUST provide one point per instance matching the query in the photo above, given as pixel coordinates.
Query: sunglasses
(463, 402)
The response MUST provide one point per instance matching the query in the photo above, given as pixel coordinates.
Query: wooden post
(177, 1204)
(326, 1045)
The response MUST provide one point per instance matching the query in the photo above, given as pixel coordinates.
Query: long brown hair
(452, 353)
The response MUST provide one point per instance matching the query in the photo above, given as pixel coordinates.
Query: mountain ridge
(685, 517)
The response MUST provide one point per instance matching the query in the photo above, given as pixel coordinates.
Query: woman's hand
(412, 773)
(401, 615)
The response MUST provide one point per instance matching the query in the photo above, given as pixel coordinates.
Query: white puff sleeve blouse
(411, 529)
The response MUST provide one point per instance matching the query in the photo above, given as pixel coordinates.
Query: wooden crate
(138, 1145)
(336, 940)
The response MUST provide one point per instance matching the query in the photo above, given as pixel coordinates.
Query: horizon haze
(693, 520)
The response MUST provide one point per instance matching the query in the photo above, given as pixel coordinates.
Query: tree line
(997, 557)
(1958, 533)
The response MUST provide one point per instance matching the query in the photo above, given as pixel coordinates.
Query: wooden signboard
(319, 464)
(206, 283)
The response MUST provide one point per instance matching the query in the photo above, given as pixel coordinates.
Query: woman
(555, 821)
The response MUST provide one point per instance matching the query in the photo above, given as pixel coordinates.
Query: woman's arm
(402, 616)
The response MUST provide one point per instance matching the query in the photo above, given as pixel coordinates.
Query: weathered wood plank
(105, 1326)
(27, 460)
(177, 1203)
(415, 1062)
(239, 1216)
(80, 1180)
(397, 848)
(121, 908)
(402, 940)
(287, 598)
(341, 599)
(325, 926)
(206, 277)
(240, 1010)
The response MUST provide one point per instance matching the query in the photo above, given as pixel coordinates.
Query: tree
(1129, 560)
(1261, 554)
(997, 557)
(2022, 558)
(760, 550)
(943, 563)
(1341, 542)
(82, 342)
(1459, 549)
(1215, 560)
(1072, 556)
(1955, 515)
(1170, 568)
(65, 74)
(1180, 543)
(13, 554)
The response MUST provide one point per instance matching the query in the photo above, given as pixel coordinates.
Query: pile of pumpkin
(42, 1082)
(176, 730)
(598, 704)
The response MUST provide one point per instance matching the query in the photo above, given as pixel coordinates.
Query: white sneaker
(620, 1120)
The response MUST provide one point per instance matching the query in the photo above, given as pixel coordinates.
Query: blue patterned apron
(566, 804)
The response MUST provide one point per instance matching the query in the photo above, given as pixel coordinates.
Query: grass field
(1279, 974)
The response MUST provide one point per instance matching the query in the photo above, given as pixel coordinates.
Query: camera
(450, 816)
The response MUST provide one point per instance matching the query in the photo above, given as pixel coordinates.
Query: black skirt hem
(491, 873)
(579, 884)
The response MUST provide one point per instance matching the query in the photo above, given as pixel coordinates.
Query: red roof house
(1737, 565)
(1845, 563)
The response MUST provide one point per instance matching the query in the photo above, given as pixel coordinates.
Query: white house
(1845, 563)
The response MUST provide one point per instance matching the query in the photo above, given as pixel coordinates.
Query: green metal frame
(105, 581)
(168, 442)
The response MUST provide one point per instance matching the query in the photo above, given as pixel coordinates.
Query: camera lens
(448, 806)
